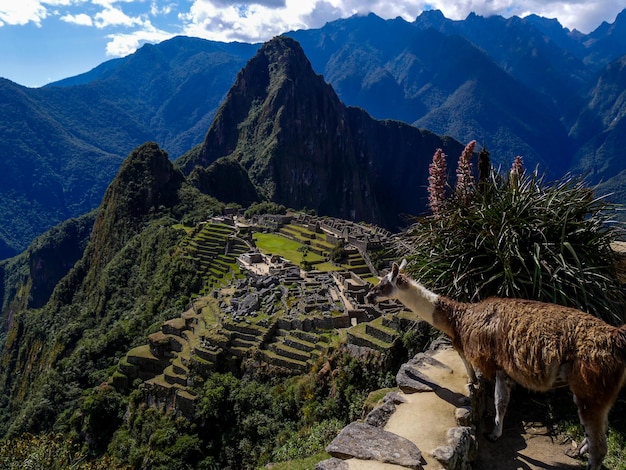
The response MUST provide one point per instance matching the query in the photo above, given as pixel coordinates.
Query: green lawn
(282, 246)
(328, 267)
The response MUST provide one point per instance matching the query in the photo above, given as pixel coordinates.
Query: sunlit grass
(300, 464)
(284, 247)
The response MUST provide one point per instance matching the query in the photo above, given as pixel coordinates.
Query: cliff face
(303, 148)
(227, 181)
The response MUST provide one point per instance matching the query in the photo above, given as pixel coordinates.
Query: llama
(538, 345)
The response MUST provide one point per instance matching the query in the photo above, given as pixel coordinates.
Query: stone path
(433, 387)
(427, 425)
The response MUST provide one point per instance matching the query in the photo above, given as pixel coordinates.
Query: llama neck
(419, 300)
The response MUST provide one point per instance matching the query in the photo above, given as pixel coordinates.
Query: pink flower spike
(518, 166)
(437, 182)
(464, 174)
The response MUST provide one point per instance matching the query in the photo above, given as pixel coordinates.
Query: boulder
(411, 379)
(366, 442)
(460, 451)
(379, 416)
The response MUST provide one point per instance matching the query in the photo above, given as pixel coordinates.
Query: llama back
(535, 343)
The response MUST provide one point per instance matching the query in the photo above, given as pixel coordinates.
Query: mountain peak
(286, 56)
(262, 87)
(146, 181)
(302, 147)
(619, 25)
(546, 24)
(431, 18)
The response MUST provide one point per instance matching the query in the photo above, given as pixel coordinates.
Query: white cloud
(22, 12)
(124, 44)
(112, 16)
(254, 22)
(266, 3)
(157, 9)
(80, 19)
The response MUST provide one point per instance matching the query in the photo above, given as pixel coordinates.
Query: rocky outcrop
(436, 375)
(367, 442)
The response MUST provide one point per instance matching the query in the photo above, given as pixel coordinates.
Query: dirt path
(426, 417)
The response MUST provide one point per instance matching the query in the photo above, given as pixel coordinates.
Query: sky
(42, 41)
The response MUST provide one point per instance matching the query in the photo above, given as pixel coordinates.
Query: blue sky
(43, 41)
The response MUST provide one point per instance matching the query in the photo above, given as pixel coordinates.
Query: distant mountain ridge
(62, 144)
(518, 86)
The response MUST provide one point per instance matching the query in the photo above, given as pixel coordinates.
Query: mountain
(304, 149)
(62, 144)
(601, 125)
(441, 75)
(88, 289)
(48, 173)
(522, 86)
(607, 42)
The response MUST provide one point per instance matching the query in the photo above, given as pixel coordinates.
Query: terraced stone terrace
(214, 247)
(260, 310)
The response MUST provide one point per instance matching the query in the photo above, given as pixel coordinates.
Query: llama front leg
(502, 396)
(471, 374)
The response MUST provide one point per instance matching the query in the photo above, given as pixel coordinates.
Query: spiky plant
(521, 237)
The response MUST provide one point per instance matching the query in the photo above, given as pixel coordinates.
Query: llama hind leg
(502, 396)
(595, 422)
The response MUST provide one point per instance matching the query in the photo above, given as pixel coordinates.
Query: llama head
(388, 286)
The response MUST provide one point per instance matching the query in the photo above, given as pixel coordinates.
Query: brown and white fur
(538, 345)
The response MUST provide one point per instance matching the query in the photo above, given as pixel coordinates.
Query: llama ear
(395, 270)
(403, 265)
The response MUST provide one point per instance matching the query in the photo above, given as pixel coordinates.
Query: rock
(395, 398)
(366, 442)
(446, 456)
(442, 342)
(422, 359)
(379, 416)
(460, 451)
(332, 464)
(411, 380)
(463, 416)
